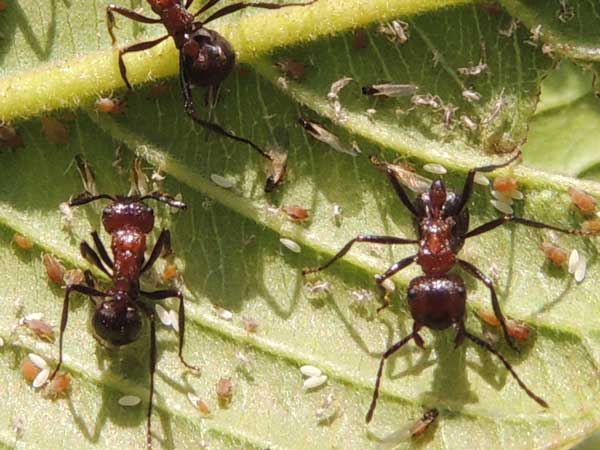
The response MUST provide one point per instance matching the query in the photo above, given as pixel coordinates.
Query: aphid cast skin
(437, 299)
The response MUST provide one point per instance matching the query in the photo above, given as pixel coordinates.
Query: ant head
(208, 58)
(128, 211)
(117, 321)
(160, 5)
(437, 195)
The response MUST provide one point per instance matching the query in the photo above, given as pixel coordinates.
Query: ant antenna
(87, 197)
(165, 198)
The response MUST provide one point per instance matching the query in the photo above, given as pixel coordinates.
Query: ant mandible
(117, 321)
(205, 57)
(437, 299)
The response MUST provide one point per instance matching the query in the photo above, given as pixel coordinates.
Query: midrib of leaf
(70, 83)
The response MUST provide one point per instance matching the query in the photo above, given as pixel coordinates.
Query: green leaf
(227, 243)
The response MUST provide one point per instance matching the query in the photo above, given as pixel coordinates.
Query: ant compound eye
(117, 322)
(209, 58)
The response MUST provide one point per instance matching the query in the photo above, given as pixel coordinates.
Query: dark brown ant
(205, 57)
(117, 320)
(437, 299)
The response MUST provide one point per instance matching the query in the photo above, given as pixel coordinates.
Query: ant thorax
(436, 256)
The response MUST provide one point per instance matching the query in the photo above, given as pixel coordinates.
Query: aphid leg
(389, 352)
(161, 295)
(140, 46)
(165, 198)
(530, 223)
(388, 240)
(190, 109)
(495, 304)
(393, 270)
(230, 9)
(162, 243)
(86, 197)
(150, 314)
(90, 254)
(102, 250)
(469, 182)
(488, 347)
(85, 290)
(110, 18)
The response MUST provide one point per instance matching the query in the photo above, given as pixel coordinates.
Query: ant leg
(102, 250)
(165, 198)
(388, 240)
(530, 223)
(460, 334)
(86, 290)
(110, 18)
(468, 188)
(190, 109)
(160, 295)
(87, 197)
(393, 270)
(162, 243)
(141, 46)
(152, 318)
(230, 9)
(495, 304)
(396, 184)
(89, 254)
(389, 352)
(488, 347)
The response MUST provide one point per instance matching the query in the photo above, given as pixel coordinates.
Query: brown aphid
(74, 276)
(591, 226)
(291, 68)
(10, 137)
(506, 185)
(110, 105)
(360, 40)
(423, 424)
(554, 253)
(296, 213)
(59, 386)
(22, 241)
(3, 5)
(250, 324)
(30, 370)
(489, 317)
(54, 269)
(40, 328)
(515, 329)
(203, 407)
(584, 201)
(277, 169)
(170, 272)
(55, 131)
(225, 391)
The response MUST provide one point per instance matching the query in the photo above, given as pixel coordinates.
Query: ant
(205, 57)
(117, 320)
(437, 299)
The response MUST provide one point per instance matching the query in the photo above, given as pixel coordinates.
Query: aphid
(205, 57)
(422, 425)
(74, 276)
(250, 324)
(556, 254)
(291, 68)
(10, 137)
(224, 391)
(40, 328)
(296, 213)
(290, 245)
(129, 400)
(389, 90)
(395, 31)
(119, 312)
(471, 96)
(223, 313)
(584, 201)
(468, 123)
(110, 105)
(59, 386)
(170, 272)
(3, 5)
(30, 370)
(517, 330)
(55, 131)
(199, 404)
(506, 184)
(54, 269)
(22, 241)
(473, 71)
(278, 168)
(322, 134)
(592, 226)
(437, 300)
(432, 101)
